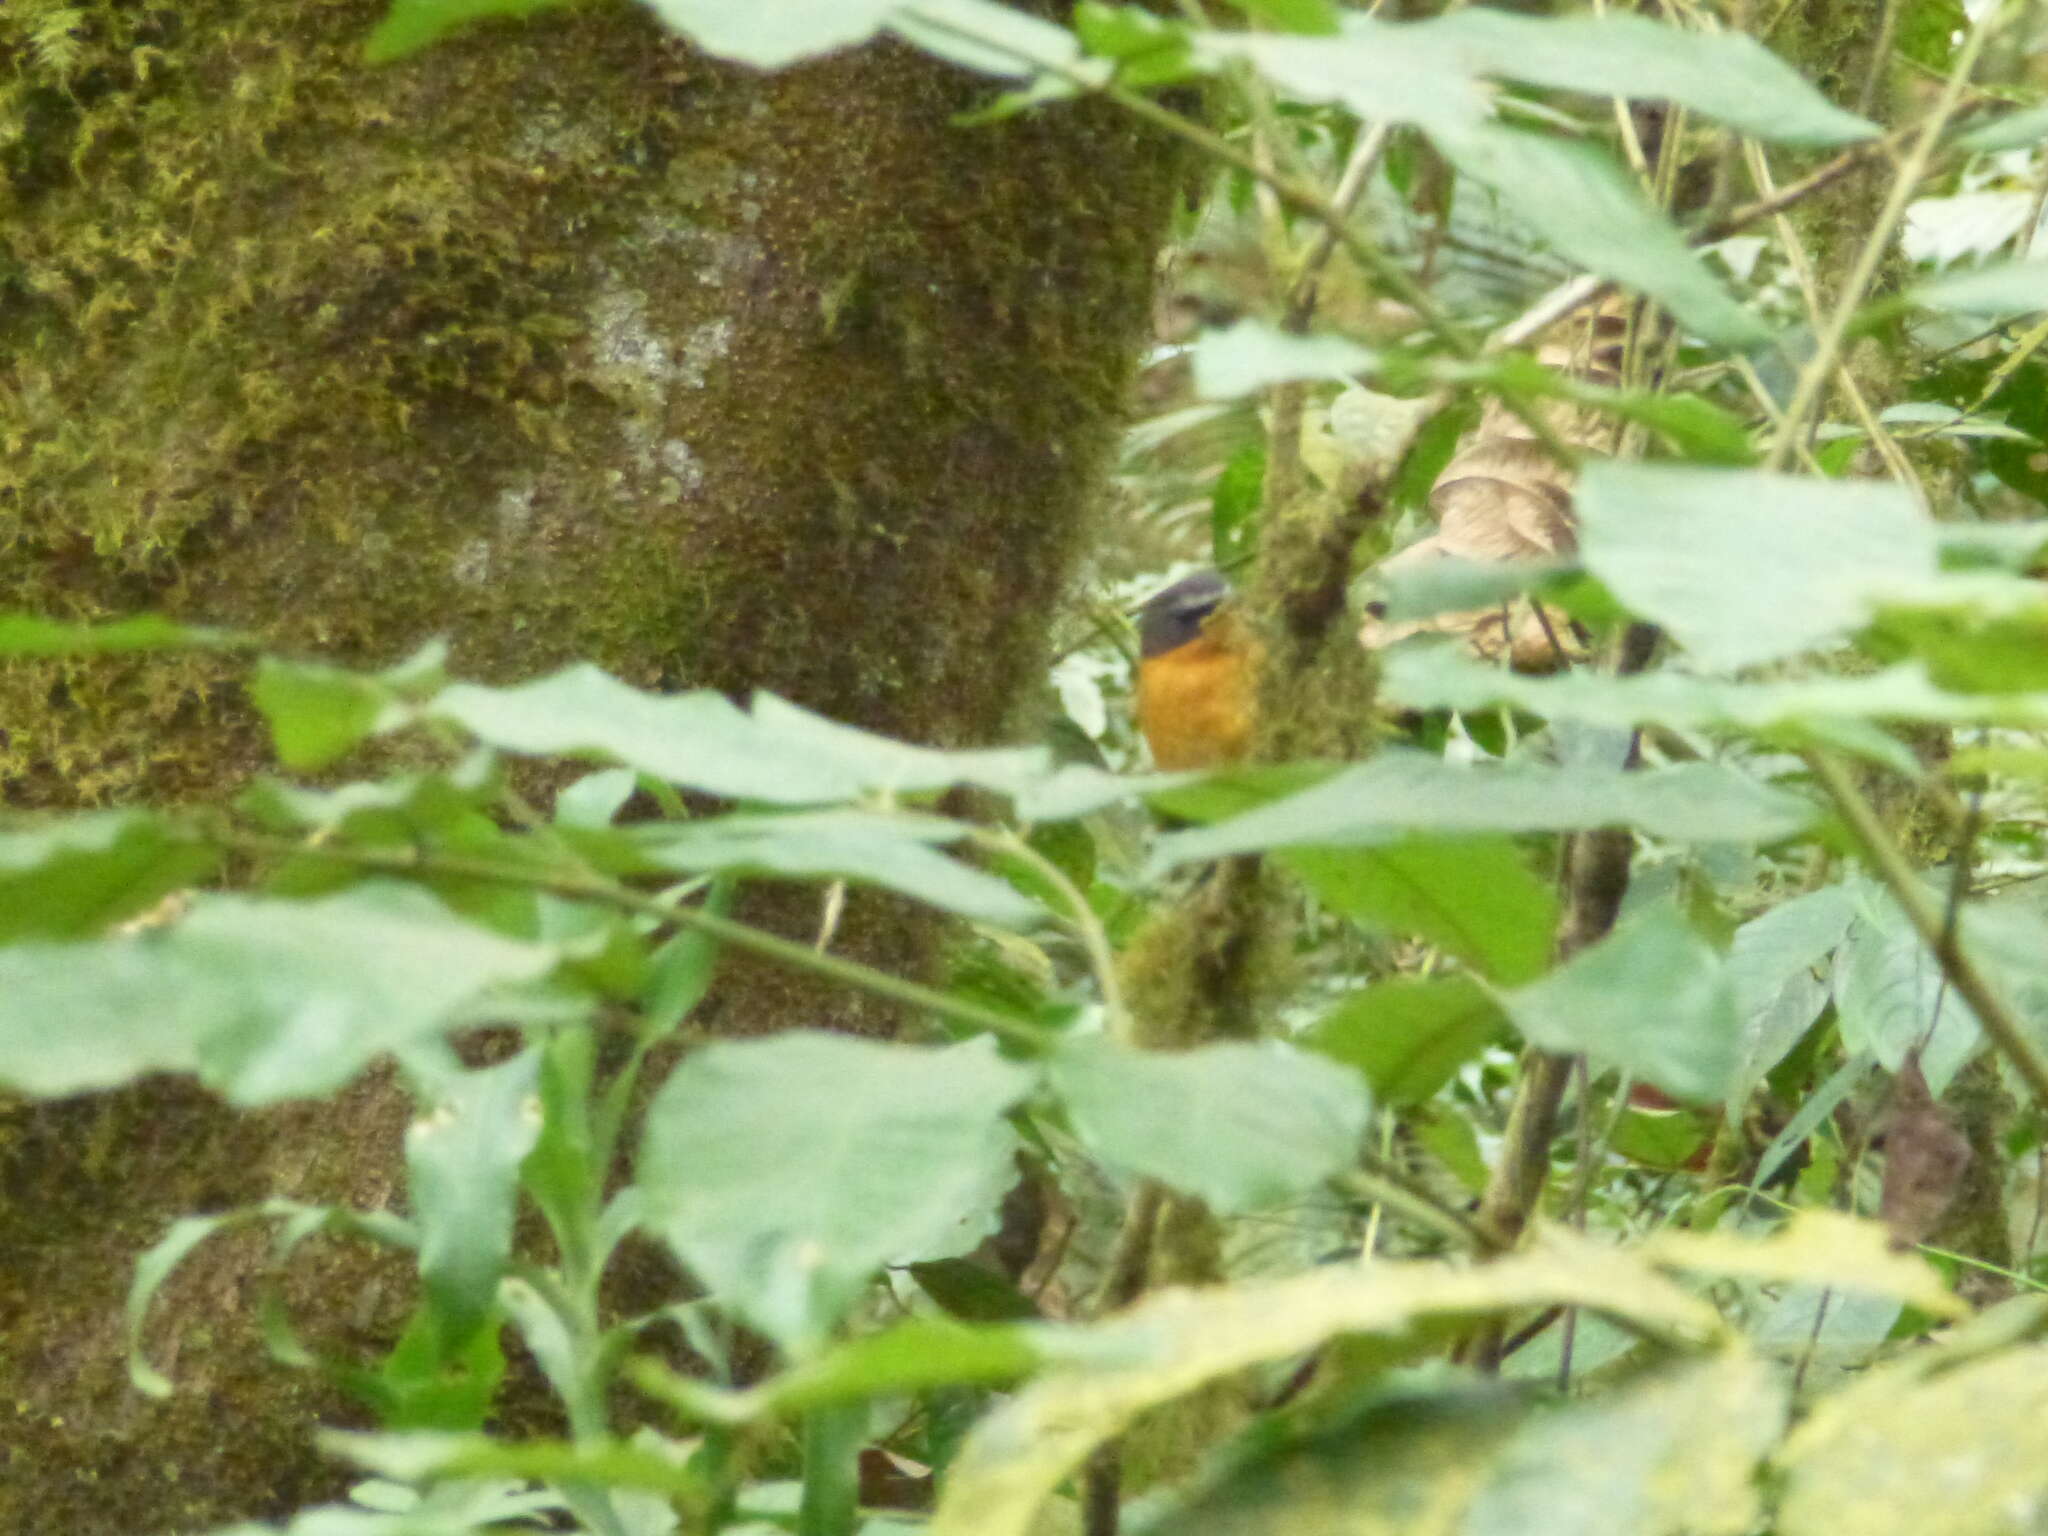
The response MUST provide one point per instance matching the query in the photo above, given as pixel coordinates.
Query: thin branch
(1896, 874)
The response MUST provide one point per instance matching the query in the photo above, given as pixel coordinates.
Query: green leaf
(1890, 995)
(1997, 645)
(1409, 1035)
(896, 851)
(1723, 75)
(1176, 1342)
(24, 634)
(1253, 355)
(1671, 1451)
(1817, 1248)
(777, 753)
(786, 1172)
(1592, 213)
(1399, 792)
(912, 1356)
(462, 1155)
(770, 36)
(317, 714)
(1312, 16)
(268, 999)
(1472, 896)
(1443, 677)
(1772, 965)
(1242, 1126)
(426, 1456)
(1234, 507)
(1910, 1448)
(1694, 425)
(76, 876)
(1997, 289)
(2016, 130)
(988, 36)
(411, 25)
(1652, 998)
(1741, 566)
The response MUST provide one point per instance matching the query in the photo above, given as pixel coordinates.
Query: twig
(1889, 862)
(1365, 158)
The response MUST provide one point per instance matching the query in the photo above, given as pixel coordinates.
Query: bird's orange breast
(1195, 705)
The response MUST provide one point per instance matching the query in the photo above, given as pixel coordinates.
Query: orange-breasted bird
(1194, 675)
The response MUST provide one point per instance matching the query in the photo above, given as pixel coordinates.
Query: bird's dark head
(1174, 617)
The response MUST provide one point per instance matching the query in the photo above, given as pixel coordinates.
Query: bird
(1194, 675)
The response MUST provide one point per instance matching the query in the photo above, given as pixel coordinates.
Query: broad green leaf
(74, 876)
(1443, 677)
(424, 1456)
(985, 35)
(411, 25)
(896, 851)
(775, 753)
(1694, 425)
(1670, 1450)
(317, 714)
(1592, 213)
(1387, 76)
(1819, 1248)
(1741, 566)
(1772, 965)
(1409, 1035)
(1997, 643)
(2013, 131)
(1175, 1342)
(1902, 1452)
(1426, 588)
(786, 1172)
(1723, 75)
(1890, 995)
(1313, 16)
(1474, 897)
(772, 35)
(462, 1154)
(1240, 1125)
(595, 799)
(1652, 998)
(24, 634)
(411, 808)
(915, 1355)
(267, 999)
(1400, 792)
(1253, 355)
(1234, 507)
(2001, 288)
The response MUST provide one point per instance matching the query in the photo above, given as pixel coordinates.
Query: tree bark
(560, 341)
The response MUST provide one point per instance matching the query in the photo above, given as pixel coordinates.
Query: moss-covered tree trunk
(559, 341)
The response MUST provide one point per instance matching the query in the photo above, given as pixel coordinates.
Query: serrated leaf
(1474, 897)
(462, 1154)
(1174, 1342)
(1400, 792)
(1409, 1035)
(1242, 1126)
(1652, 998)
(786, 1172)
(1741, 566)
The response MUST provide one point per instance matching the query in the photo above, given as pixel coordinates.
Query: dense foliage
(1698, 1308)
